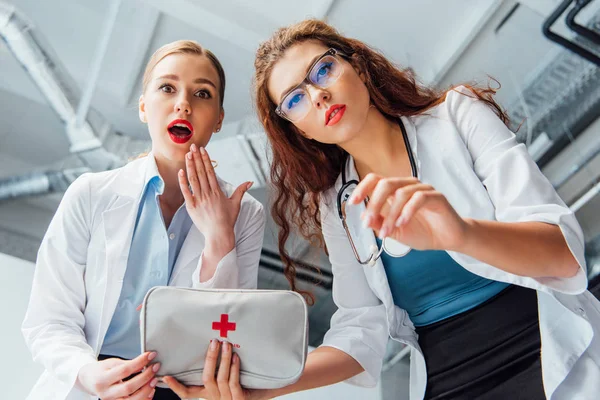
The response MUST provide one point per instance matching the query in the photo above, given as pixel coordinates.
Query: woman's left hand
(410, 212)
(224, 385)
(213, 213)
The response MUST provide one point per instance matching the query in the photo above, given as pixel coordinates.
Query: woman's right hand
(221, 385)
(105, 378)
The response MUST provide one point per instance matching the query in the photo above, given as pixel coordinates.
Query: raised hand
(213, 213)
(410, 212)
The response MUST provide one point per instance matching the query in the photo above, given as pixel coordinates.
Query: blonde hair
(184, 47)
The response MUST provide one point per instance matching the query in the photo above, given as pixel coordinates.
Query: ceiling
(232, 29)
(431, 36)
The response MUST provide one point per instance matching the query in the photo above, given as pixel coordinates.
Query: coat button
(172, 236)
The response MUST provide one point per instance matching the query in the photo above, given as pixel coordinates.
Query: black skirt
(489, 352)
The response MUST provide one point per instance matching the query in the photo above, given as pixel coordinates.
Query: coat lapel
(364, 240)
(118, 221)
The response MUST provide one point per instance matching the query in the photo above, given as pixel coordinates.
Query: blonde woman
(118, 233)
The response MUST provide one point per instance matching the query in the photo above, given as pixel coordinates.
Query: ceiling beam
(88, 92)
(465, 37)
(192, 13)
(145, 19)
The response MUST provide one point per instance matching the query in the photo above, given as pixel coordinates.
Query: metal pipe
(38, 183)
(577, 167)
(583, 200)
(580, 29)
(574, 47)
(44, 67)
(399, 356)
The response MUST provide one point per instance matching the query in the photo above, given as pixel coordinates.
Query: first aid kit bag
(268, 329)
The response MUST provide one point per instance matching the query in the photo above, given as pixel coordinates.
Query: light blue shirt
(431, 286)
(154, 250)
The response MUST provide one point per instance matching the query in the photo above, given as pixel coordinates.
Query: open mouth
(334, 114)
(180, 131)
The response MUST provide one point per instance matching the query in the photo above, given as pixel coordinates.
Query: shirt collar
(152, 175)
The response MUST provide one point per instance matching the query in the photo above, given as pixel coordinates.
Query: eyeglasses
(324, 72)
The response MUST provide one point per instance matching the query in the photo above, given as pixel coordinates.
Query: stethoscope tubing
(342, 198)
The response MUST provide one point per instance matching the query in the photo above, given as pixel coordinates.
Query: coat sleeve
(515, 184)
(54, 322)
(359, 326)
(238, 269)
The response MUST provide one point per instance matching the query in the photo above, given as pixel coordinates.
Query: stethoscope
(390, 246)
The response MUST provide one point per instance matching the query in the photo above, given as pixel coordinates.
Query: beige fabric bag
(267, 328)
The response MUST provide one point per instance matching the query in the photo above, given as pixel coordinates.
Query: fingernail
(225, 347)
(151, 395)
(383, 232)
(156, 367)
(213, 344)
(153, 382)
(235, 358)
(181, 172)
(352, 199)
(400, 221)
(189, 156)
(194, 148)
(249, 185)
(151, 356)
(202, 150)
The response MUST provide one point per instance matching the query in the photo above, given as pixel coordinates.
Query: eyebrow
(289, 89)
(197, 80)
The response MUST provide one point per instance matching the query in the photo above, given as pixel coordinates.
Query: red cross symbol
(224, 326)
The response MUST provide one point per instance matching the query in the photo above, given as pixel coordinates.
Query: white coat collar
(119, 219)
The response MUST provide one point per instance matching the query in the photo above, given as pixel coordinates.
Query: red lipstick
(334, 114)
(180, 131)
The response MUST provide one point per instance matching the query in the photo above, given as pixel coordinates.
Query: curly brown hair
(302, 168)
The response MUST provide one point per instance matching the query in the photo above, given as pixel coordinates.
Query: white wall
(17, 368)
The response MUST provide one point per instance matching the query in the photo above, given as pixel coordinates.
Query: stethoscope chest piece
(394, 248)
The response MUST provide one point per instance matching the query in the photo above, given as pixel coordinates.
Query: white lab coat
(82, 261)
(464, 151)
